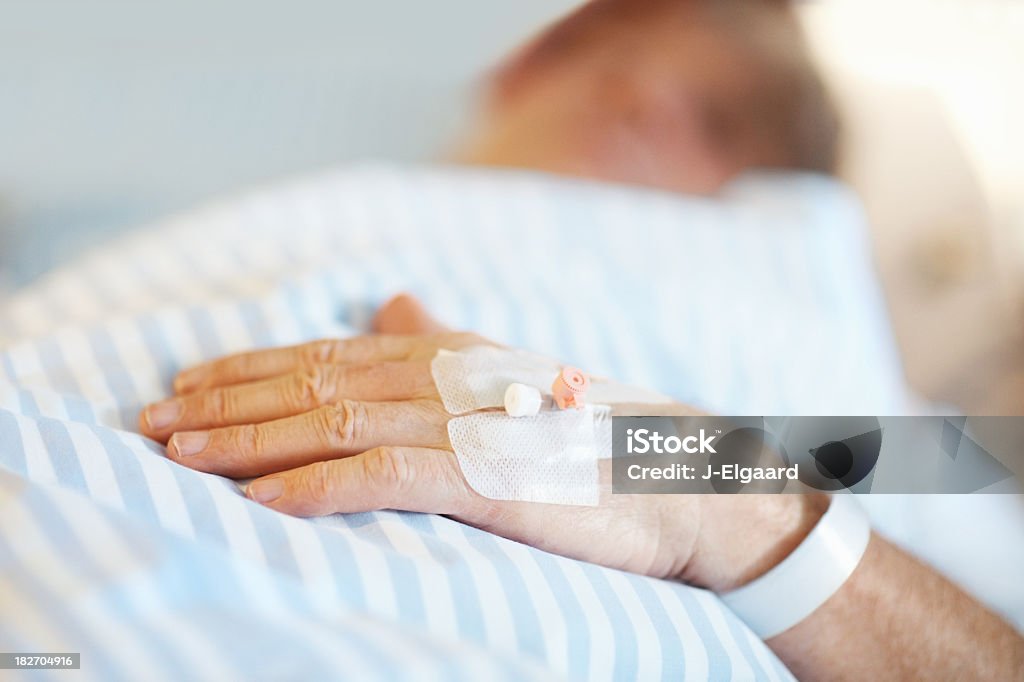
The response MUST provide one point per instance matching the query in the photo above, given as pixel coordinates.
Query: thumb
(404, 314)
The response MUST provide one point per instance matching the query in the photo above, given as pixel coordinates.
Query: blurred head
(677, 94)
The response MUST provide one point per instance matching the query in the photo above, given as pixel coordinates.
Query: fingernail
(187, 443)
(266, 489)
(162, 415)
(189, 379)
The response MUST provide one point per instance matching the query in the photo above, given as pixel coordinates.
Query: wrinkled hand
(357, 424)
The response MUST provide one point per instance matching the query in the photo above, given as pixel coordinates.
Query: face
(667, 95)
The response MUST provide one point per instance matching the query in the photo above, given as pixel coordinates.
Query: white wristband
(805, 579)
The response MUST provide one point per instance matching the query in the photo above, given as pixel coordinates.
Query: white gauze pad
(477, 377)
(551, 457)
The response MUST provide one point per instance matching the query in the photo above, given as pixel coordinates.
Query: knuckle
(312, 387)
(250, 443)
(322, 352)
(318, 480)
(342, 423)
(217, 404)
(389, 468)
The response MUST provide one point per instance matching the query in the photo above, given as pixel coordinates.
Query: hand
(356, 425)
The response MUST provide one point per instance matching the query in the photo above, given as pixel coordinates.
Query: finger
(430, 480)
(261, 364)
(345, 428)
(404, 314)
(619, 533)
(287, 395)
(410, 479)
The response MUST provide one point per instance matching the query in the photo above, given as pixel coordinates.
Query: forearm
(897, 619)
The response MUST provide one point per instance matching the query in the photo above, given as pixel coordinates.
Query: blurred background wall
(114, 112)
(932, 95)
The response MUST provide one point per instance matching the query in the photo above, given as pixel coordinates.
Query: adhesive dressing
(531, 451)
(551, 457)
(477, 378)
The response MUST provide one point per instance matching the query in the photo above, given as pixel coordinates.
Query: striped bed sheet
(747, 304)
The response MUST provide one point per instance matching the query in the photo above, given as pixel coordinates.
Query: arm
(356, 425)
(895, 618)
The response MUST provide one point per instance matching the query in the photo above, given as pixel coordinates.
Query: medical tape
(551, 457)
(477, 378)
(530, 451)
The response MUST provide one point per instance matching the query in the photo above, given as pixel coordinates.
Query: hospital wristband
(812, 573)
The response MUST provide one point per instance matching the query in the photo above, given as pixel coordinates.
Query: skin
(680, 95)
(342, 426)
